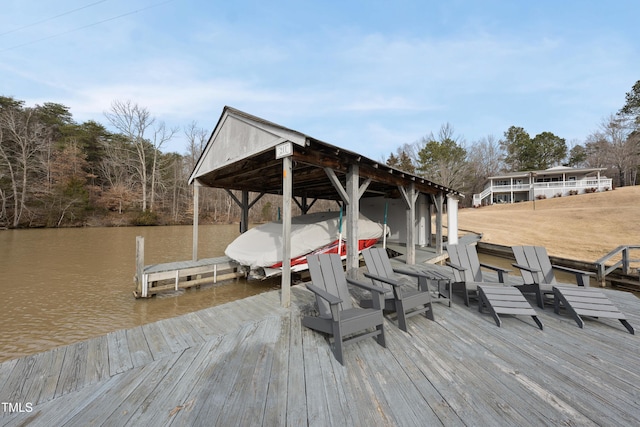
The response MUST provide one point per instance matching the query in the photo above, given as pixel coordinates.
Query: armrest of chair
(527, 268)
(423, 278)
(502, 272)
(397, 293)
(330, 298)
(377, 293)
(461, 269)
(456, 266)
(412, 273)
(388, 280)
(368, 287)
(534, 272)
(582, 277)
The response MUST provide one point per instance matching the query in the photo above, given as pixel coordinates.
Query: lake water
(60, 286)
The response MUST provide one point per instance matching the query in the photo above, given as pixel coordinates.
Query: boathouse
(246, 153)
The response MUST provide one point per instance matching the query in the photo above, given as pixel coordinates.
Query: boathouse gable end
(236, 138)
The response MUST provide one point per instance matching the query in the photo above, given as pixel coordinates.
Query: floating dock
(172, 276)
(250, 362)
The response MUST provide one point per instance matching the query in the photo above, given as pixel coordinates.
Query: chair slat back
(465, 256)
(535, 257)
(545, 264)
(474, 262)
(327, 273)
(378, 264)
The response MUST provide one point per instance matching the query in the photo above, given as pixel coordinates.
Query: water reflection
(60, 286)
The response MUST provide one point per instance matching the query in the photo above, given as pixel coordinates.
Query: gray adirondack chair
(537, 272)
(405, 299)
(338, 318)
(467, 272)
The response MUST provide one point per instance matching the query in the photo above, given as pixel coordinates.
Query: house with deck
(557, 181)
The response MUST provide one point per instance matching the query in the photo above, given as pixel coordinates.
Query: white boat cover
(261, 246)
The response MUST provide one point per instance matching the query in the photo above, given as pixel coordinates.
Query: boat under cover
(260, 248)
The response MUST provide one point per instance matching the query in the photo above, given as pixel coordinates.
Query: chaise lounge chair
(405, 299)
(467, 272)
(338, 318)
(537, 272)
(495, 297)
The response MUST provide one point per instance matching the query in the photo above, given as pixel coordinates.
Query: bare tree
(161, 135)
(484, 158)
(20, 142)
(196, 141)
(134, 122)
(617, 146)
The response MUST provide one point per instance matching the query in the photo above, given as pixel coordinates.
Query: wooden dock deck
(250, 362)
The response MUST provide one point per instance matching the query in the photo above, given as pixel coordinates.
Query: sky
(368, 76)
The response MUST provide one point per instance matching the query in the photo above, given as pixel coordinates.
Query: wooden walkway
(251, 362)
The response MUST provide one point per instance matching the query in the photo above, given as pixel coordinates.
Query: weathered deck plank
(275, 409)
(138, 347)
(295, 399)
(156, 340)
(73, 371)
(97, 368)
(119, 355)
(251, 362)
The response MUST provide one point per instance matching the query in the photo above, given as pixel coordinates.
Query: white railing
(600, 185)
(478, 198)
(547, 189)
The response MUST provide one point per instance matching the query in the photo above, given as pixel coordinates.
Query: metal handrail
(624, 262)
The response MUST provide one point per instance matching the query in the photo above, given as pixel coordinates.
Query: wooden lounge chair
(338, 318)
(467, 272)
(405, 299)
(586, 302)
(537, 272)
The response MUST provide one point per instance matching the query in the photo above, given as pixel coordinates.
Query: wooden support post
(145, 285)
(244, 222)
(439, 208)
(139, 264)
(410, 196)
(353, 212)
(351, 197)
(196, 194)
(287, 194)
(429, 231)
(452, 219)
(245, 206)
(626, 264)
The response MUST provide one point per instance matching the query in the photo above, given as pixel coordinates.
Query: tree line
(55, 172)
(447, 159)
